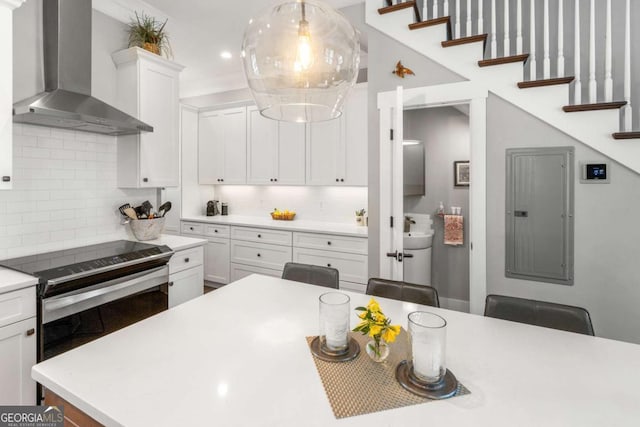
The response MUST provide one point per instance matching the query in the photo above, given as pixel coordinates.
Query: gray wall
(606, 234)
(445, 134)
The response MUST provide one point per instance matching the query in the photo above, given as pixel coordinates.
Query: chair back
(539, 313)
(312, 274)
(403, 291)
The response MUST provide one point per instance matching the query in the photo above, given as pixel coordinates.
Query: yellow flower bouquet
(377, 326)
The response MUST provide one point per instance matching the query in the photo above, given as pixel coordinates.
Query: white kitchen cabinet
(18, 347)
(148, 89)
(275, 151)
(240, 271)
(216, 260)
(337, 149)
(186, 275)
(222, 146)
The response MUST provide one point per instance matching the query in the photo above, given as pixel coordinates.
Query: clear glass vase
(378, 351)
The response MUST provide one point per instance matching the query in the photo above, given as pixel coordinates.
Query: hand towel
(453, 230)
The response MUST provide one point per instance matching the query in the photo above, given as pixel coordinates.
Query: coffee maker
(213, 208)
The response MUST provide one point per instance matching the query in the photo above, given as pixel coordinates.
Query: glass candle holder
(334, 322)
(428, 333)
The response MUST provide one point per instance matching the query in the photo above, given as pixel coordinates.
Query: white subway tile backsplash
(65, 192)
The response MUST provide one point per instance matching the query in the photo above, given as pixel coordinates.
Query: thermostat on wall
(594, 172)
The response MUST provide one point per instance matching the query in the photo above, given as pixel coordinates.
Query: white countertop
(11, 280)
(342, 228)
(238, 357)
(177, 243)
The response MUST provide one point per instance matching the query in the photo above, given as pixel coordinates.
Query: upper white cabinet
(275, 151)
(148, 89)
(222, 146)
(337, 149)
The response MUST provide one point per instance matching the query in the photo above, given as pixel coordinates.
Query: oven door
(64, 305)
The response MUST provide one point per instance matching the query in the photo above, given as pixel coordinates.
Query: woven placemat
(363, 386)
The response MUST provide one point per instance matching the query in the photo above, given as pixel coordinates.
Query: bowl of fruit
(285, 215)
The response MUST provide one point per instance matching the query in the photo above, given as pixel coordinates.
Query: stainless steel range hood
(67, 101)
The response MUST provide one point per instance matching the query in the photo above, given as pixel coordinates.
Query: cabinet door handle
(145, 179)
(341, 179)
(215, 231)
(170, 283)
(337, 180)
(259, 255)
(259, 236)
(328, 265)
(275, 179)
(191, 228)
(186, 260)
(329, 243)
(31, 332)
(6, 179)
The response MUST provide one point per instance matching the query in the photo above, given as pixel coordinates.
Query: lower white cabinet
(352, 267)
(260, 254)
(216, 260)
(239, 271)
(18, 348)
(186, 275)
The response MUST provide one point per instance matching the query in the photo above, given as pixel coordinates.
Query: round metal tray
(352, 351)
(447, 387)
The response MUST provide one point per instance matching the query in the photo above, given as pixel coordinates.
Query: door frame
(444, 95)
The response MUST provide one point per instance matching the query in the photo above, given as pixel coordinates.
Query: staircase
(453, 36)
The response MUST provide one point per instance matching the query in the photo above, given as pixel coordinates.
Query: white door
(235, 146)
(210, 148)
(185, 285)
(17, 356)
(323, 143)
(391, 190)
(216, 261)
(291, 154)
(262, 148)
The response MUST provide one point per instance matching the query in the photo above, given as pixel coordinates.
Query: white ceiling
(200, 29)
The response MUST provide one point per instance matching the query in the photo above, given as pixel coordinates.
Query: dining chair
(312, 274)
(403, 291)
(539, 313)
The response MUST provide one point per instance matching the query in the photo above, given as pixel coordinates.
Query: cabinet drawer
(187, 258)
(192, 228)
(360, 288)
(261, 235)
(331, 242)
(240, 271)
(216, 230)
(260, 254)
(352, 267)
(17, 305)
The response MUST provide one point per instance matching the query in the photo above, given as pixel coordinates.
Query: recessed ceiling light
(225, 54)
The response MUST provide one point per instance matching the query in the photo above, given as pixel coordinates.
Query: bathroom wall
(445, 134)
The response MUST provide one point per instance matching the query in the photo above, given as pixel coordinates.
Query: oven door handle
(64, 305)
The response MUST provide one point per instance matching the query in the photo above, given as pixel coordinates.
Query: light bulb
(304, 54)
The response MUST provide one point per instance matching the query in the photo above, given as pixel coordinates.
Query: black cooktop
(52, 266)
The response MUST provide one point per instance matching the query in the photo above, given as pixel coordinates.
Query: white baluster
(627, 111)
(560, 39)
(577, 95)
(480, 19)
(445, 8)
(425, 9)
(457, 25)
(519, 27)
(546, 62)
(494, 40)
(468, 33)
(435, 8)
(608, 80)
(532, 42)
(507, 41)
(593, 85)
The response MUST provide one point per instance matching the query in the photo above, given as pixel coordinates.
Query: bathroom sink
(418, 240)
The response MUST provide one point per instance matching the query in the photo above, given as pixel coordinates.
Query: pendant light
(301, 59)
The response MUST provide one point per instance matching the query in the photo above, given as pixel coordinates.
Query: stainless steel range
(88, 292)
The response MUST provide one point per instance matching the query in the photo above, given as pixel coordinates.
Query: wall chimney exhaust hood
(67, 101)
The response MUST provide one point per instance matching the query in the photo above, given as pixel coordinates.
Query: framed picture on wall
(461, 173)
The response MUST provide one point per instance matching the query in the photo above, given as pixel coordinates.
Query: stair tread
(465, 40)
(594, 107)
(503, 60)
(395, 7)
(626, 135)
(546, 82)
(430, 22)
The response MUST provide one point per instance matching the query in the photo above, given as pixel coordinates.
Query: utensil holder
(147, 229)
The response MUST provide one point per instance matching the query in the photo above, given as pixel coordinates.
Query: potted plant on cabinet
(148, 33)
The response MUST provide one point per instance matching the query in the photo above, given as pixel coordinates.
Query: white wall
(445, 135)
(64, 192)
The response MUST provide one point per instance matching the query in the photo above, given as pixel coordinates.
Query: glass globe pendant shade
(301, 59)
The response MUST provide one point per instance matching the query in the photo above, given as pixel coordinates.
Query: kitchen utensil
(140, 212)
(147, 208)
(163, 209)
(131, 213)
(123, 207)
